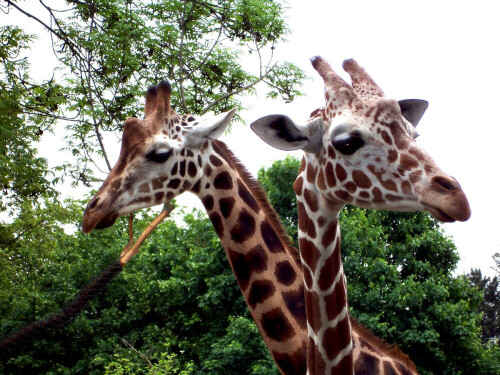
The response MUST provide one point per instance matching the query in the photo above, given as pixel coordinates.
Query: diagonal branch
(58, 33)
(236, 92)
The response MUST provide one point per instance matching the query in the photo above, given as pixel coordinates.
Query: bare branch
(91, 101)
(182, 22)
(59, 33)
(200, 65)
(235, 92)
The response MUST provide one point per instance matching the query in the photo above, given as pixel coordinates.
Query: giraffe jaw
(92, 221)
(440, 215)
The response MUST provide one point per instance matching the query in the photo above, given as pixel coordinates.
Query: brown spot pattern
(144, 188)
(192, 169)
(313, 311)
(336, 300)
(223, 181)
(271, 238)
(208, 202)
(260, 290)
(217, 223)
(216, 162)
(157, 184)
(340, 172)
(335, 338)
(361, 179)
(226, 206)
(330, 233)
(284, 272)
(295, 303)
(330, 176)
(330, 270)
(310, 254)
(311, 200)
(277, 326)
(244, 227)
(247, 197)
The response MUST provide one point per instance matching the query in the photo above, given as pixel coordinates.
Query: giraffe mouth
(92, 221)
(439, 215)
(107, 222)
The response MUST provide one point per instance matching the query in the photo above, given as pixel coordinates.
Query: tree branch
(235, 92)
(91, 101)
(183, 22)
(62, 36)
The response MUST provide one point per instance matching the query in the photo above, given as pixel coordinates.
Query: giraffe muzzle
(445, 200)
(96, 217)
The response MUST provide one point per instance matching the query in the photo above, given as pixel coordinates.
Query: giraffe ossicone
(359, 149)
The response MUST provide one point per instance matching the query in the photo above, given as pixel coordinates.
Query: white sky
(446, 52)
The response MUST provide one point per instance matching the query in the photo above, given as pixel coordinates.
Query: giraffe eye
(349, 145)
(159, 156)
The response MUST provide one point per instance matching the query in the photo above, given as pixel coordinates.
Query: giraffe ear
(282, 133)
(413, 109)
(209, 126)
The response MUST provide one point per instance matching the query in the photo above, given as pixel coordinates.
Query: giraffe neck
(259, 253)
(337, 344)
(330, 343)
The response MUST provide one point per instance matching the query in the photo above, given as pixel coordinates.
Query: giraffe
(360, 149)
(166, 154)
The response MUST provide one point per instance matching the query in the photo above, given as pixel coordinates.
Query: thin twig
(91, 101)
(183, 22)
(235, 92)
(138, 352)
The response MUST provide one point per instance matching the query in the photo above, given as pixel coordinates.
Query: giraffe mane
(390, 350)
(260, 196)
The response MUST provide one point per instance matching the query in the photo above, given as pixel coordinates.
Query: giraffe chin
(89, 224)
(440, 215)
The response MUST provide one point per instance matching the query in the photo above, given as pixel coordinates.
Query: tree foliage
(176, 308)
(111, 50)
(490, 305)
(24, 176)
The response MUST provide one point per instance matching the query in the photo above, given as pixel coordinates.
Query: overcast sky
(446, 52)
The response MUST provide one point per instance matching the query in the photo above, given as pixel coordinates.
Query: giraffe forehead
(169, 131)
(383, 116)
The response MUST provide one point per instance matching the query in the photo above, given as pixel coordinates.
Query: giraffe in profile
(166, 154)
(359, 149)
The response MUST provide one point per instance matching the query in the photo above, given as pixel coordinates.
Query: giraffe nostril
(446, 184)
(92, 204)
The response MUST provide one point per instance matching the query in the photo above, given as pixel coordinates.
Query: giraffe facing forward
(360, 149)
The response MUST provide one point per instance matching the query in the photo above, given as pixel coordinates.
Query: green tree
(278, 183)
(399, 268)
(175, 308)
(490, 305)
(111, 50)
(24, 106)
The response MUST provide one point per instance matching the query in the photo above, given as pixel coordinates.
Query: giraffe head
(360, 149)
(161, 157)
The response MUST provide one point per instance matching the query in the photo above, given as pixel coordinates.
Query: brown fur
(261, 197)
(391, 351)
